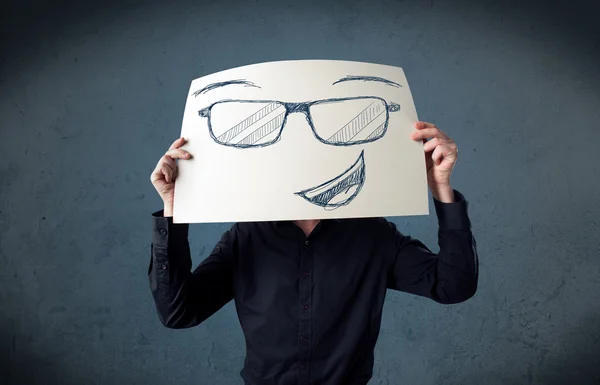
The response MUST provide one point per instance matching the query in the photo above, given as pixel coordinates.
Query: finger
(428, 133)
(178, 153)
(421, 125)
(432, 144)
(442, 134)
(164, 159)
(171, 163)
(178, 143)
(167, 172)
(437, 155)
(424, 126)
(157, 173)
(425, 133)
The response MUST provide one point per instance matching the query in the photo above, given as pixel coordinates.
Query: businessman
(309, 294)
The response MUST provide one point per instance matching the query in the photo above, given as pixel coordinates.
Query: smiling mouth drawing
(340, 190)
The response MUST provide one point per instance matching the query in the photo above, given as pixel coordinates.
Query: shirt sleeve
(184, 298)
(450, 276)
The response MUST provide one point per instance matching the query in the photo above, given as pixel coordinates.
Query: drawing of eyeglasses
(337, 122)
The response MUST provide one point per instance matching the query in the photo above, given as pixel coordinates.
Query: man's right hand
(163, 176)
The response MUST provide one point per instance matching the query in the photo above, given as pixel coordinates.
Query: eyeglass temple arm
(393, 107)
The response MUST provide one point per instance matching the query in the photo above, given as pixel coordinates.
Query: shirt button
(303, 366)
(163, 232)
(163, 266)
(305, 273)
(305, 307)
(303, 340)
(306, 242)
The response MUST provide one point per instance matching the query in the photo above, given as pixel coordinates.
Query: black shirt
(310, 307)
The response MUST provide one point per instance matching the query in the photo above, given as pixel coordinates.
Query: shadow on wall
(27, 360)
(572, 358)
(577, 360)
(20, 366)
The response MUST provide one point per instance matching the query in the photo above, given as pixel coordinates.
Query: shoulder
(237, 235)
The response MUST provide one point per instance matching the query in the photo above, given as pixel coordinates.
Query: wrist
(168, 210)
(443, 193)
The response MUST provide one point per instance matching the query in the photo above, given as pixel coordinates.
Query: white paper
(247, 167)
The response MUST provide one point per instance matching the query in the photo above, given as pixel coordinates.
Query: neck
(307, 225)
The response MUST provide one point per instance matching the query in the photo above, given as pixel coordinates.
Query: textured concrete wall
(92, 95)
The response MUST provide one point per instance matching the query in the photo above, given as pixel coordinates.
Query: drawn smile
(340, 190)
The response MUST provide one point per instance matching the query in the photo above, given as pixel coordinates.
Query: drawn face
(346, 121)
(293, 134)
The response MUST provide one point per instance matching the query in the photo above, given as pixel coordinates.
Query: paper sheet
(305, 139)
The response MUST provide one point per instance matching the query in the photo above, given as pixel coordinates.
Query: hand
(441, 155)
(164, 175)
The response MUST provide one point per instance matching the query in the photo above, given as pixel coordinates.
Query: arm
(451, 276)
(184, 298)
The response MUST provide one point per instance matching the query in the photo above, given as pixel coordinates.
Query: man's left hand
(441, 155)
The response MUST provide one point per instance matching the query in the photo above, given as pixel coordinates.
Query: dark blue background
(92, 95)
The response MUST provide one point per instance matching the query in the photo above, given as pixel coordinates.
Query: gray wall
(91, 96)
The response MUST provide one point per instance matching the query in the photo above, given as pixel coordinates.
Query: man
(309, 294)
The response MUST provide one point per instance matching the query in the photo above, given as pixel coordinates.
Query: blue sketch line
(343, 137)
(334, 193)
(357, 124)
(263, 131)
(212, 86)
(377, 132)
(367, 79)
(249, 121)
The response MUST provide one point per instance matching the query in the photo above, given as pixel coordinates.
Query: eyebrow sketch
(367, 79)
(338, 191)
(223, 84)
(361, 119)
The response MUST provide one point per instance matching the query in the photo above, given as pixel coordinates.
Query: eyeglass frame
(302, 107)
